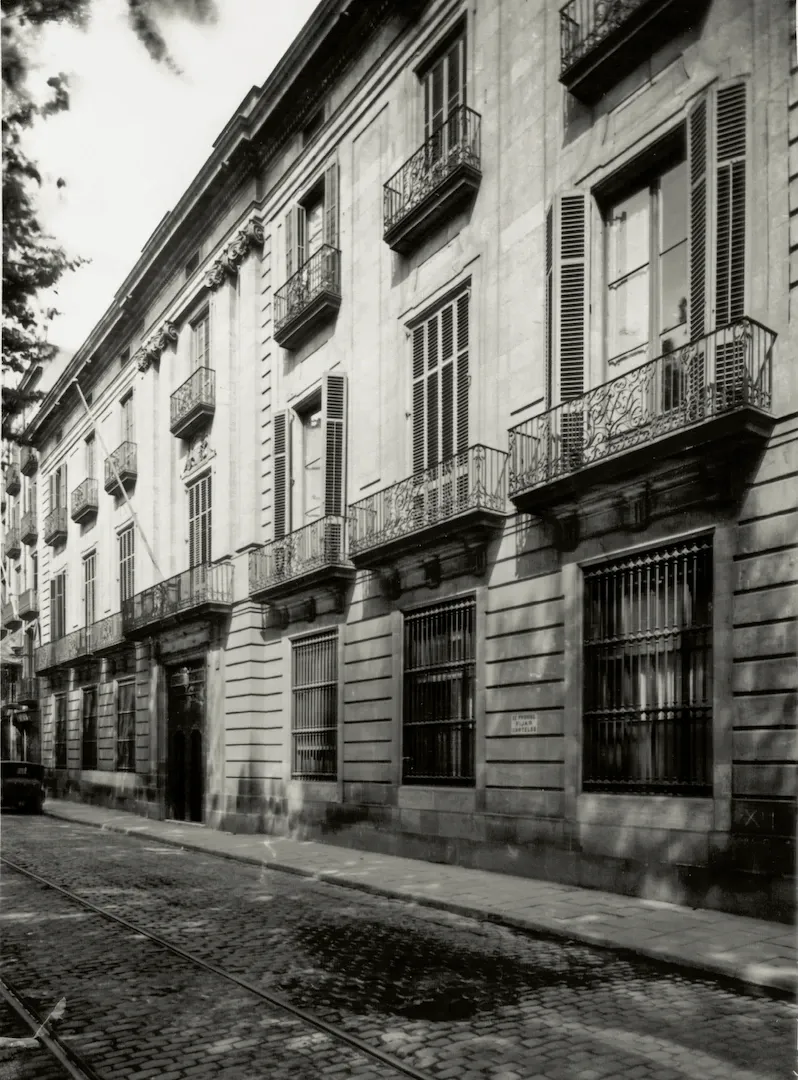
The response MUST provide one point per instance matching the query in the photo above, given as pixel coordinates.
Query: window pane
(314, 219)
(673, 202)
(627, 314)
(673, 287)
(628, 233)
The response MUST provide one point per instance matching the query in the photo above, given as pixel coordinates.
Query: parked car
(22, 785)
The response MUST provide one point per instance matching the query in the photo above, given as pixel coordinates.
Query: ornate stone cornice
(150, 351)
(234, 253)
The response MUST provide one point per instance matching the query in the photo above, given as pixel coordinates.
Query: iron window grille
(314, 728)
(439, 679)
(89, 729)
(60, 730)
(126, 726)
(648, 672)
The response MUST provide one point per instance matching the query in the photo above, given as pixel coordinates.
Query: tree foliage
(32, 261)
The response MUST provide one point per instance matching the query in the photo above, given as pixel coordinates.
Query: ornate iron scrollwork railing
(124, 459)
(475, 479)
(320, 274)
(13, 481)
(715, 374)
(198, 389)
(84, 499)
(28, 461)
(28, 528)
(55, 525)
(13, 547)
(314, 546)
(63, 650)
(183, 592)
(107, 632)
(584, 24)
(456, 142)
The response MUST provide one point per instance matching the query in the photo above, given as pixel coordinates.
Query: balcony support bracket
(565, 530)
(432, 572)
(391, 584)
(635, 509)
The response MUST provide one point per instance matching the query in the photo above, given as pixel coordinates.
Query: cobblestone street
(448, 996)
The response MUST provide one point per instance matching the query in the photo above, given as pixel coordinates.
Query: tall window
(439, 677)
(126, 726)
(444, 85)
(127, 557)
(58, 485)
(440, 385)
(60, 730)
(311, 224)
(127, 417)
(89, 588)
(34, 571)
(199, 522)
(308, 492)
(58, 606)
(201, 341)
(646, 268)
(648, 671)
(89, 728)
(91, 458)
(314, 723)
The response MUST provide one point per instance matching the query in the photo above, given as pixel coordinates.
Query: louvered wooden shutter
(294, 220)
(697, 160)
(331, 205)
(282, 474)
(570, 293)
(549, 307)
(730, 147)
(199, 517)
(440, 385)
(333, 413)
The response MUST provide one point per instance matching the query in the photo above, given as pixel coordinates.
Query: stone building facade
(443, 438)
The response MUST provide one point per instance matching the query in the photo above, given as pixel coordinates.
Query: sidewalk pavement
(749, 950)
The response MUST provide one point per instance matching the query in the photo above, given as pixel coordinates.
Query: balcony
(436, 182)
(29, 605)
(203, 591)
(310, 297)
(85, 501)
(28, 690)
(601, 41)
(11, 618)
(13, 547)
(463, 499)
(715, 390)
(28, 461)
(29, 530)
(122, 463)
(55, 526)
(106, 634)
(312, 556)
(13, 481)
(194, 403)
(64, 650)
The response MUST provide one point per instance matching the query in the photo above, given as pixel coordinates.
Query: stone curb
(776, 982)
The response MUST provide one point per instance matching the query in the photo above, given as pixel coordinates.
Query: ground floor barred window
(648, 672)
(126, 726)
(60, 730)
(314, 725)
(439, 677)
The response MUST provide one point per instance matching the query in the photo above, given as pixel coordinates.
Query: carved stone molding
(234, 253)
(565, 530)
(199, 453)
(150, 351)
(634, 509)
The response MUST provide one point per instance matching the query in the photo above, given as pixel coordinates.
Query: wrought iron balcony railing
(28, 529)
(64, 650)
(28, 461)
(193, 403)
(315, 552)
(123, 459)
(85, 500)
(11, 616)
(469, 488)
(434, 182)
(13, 481)
(28, 690)
(55, 525)
(29, 604)
(722, 373)
(201, 590)
(13, 547)
(602, 40)
(310, 295)
(106, 633)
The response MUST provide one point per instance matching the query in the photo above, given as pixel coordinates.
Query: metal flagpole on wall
(108, 456)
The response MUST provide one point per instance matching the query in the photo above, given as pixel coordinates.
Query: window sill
(688, 813)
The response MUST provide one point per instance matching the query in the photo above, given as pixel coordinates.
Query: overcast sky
(136, 134)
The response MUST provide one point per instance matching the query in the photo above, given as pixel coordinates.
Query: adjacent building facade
(427, 486)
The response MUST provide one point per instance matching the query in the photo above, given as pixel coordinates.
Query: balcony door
(444, 85)
(185, 793)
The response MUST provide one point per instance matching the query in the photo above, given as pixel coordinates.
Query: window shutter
(282, 475)
(697, 243)
(569, 288)
(730, 150)
(331, 205)
(290, 242)
(462, 373)
(419, 363)
(549, 306)
(333, 411)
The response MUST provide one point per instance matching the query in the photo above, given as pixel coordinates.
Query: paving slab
(752, 951)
